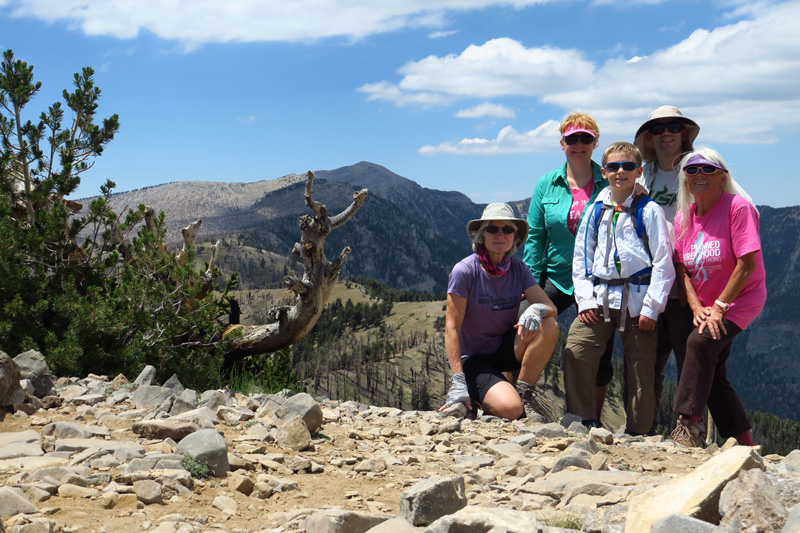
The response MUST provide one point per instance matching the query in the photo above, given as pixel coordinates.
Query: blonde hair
(582, 120)
(623, 147)
(685, 198)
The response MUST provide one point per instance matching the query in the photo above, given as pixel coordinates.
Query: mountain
(409, 237)
(410, 241)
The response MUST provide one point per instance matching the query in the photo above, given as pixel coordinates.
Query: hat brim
(521, 225)
(648, 153)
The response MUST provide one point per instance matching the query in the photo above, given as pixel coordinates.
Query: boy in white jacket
(622, 271)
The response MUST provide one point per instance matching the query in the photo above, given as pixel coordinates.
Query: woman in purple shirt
(488, 347)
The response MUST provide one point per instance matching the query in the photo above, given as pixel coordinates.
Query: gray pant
(585, 347)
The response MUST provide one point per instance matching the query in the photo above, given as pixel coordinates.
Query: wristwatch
(722, 305)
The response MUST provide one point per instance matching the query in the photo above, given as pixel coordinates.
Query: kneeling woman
(485, 341)
(721, 272)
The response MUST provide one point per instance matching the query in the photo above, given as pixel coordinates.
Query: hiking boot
(536, 403)
(687, 433)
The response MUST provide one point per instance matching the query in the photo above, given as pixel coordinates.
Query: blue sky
(454, 94)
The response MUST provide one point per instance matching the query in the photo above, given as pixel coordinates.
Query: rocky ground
(105, 455)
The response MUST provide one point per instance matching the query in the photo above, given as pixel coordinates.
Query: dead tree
(311, 291)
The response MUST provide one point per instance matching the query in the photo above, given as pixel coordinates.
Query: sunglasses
(672, 127)
(507, 230)
(584, 138)
(705, 169)
(627, 166)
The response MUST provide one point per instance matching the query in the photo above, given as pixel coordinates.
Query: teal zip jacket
(550, 245)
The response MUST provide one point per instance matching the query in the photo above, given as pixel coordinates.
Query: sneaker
(687, 433)
(536, 403)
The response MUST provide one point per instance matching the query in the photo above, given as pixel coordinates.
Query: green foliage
(337, 319)
(773, 433)
(420, 397)
(266, 373)
(560, 519)
(378, 290)
(78, 289)
(197, 469)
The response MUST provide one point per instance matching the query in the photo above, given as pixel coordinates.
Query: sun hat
(500, 212)
(665, 111)
(698, 159)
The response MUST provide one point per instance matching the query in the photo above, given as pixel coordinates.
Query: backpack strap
(636, 210)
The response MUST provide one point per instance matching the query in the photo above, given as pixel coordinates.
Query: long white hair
(685, 198)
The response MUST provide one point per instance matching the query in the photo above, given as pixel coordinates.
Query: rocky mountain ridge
(96, 454)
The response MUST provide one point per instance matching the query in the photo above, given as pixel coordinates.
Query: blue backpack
(635, 211)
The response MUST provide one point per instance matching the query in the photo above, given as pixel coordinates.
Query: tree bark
(312, 289)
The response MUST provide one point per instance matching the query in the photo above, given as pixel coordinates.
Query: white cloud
(246, 120)
(500, 67)
(738, 81)
(385, 91)
(751, 63)
(486, 109)
(196, 22)
(440, 34)
(508, 141)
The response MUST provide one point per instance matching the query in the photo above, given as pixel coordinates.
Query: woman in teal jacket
(557, 205)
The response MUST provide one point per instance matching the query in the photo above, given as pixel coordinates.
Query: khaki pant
(585, 347)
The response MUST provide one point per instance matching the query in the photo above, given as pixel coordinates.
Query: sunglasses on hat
(672, 127)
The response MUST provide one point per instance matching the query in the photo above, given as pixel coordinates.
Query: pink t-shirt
(709, 249)
(580, 197)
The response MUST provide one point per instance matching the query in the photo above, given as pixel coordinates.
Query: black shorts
(486, 370)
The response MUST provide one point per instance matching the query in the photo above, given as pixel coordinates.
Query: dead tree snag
(312, 289)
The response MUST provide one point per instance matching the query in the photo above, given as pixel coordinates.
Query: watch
(722, 305)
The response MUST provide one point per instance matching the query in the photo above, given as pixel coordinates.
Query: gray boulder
(32, 366)
(148, 491)
(73, 430)
(9, 380)
(146, 376)
(341, 521)
(174, 384)
(431, 499)
(209, 447)
(214, 398)
(293, 434)
(14, 502)
(679, 523)
(791, 463)
(752, 501)
(792, 524)
(148, 396)
(304, 406)
(168, 428)
(494, 519)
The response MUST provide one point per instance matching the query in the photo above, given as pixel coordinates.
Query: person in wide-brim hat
(495, 354)
(664, 138)
(499, 212)
(665, 114)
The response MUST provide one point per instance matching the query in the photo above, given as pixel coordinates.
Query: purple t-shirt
(492, 303)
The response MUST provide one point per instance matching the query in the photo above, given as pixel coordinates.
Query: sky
(461, 95)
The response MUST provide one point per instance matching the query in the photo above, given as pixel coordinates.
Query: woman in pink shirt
(720, 270)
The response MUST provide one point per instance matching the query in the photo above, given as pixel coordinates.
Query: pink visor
(578, 129)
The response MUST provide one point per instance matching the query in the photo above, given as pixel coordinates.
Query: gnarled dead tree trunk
(312, 290)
